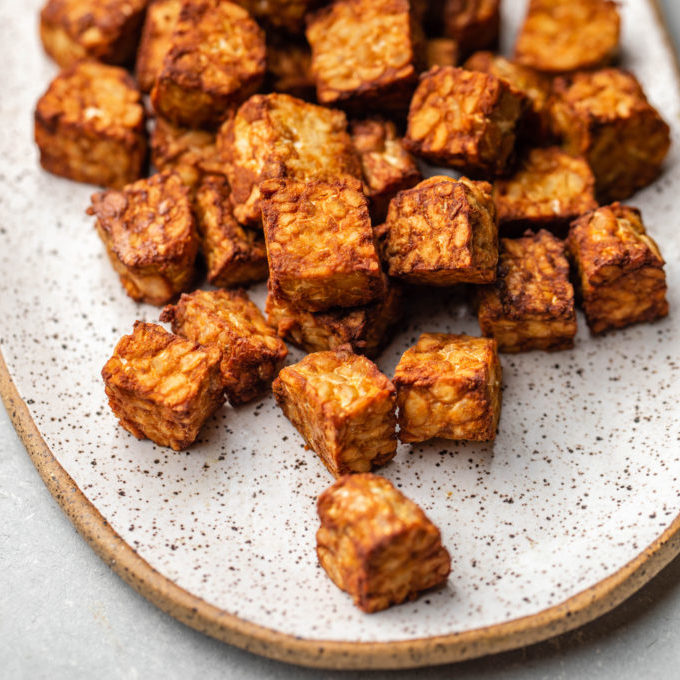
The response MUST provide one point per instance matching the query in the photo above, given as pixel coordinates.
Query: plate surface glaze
(583, 477)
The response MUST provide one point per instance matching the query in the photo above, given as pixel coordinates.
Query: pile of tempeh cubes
(283, 137)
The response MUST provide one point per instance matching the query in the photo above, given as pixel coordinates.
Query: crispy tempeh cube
(387, 166)
(449, 386)
(441, 52)
(162, 387)
(619, 268)
(150, 236)
(605, 117)
(89, 126)
(365, 329)
(343, 406)
(252, 353)
(464, 119)
(473, 24)
(531, 304)
(365, 53)
(279, 14)
(376, 544)
(289, 67)
(72, 30)
(215, 62)
(441, 232)
(558, 37)
(159, 25)
(320, 243)
(550, 189)
(276, 136)
(235, 256)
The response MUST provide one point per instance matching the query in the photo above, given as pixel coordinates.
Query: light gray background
(65, 614)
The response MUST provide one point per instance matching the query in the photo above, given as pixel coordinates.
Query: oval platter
(572, 509)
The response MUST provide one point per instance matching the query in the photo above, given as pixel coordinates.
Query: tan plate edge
(198, 614)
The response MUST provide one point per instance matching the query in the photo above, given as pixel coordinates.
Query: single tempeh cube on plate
(288, 15)
(387, 166)
(605, 117)
(89, 126)
(344, 408)
(276, 136)
(473, 24)
(235, 256)
(150, 236)
(449, 386)
(442, 232)
(531, 304)
(558, 37)
(365, 329)
(376, 544)
(619, 268)
(465, 119)
(550, 189)
(73, 30)
(215, 62)
(252, 353)
(320, 243)
(156, 40)
(162, 387)
(365, 53)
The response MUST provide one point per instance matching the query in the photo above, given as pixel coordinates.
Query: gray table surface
(65, 614)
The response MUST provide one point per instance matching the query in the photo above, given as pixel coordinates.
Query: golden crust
(276, 136)
(320, 243)
(605, 117)
(289, 67)
(285, 14)
(252, 353)
(441, 52)
(343, 406)
(364, 53)
(550, 189)
(216, 61)
(387, 167)
(235, 256)
(442, 232)
(156, 40)
(449, 386)
(558, 37)
(90, 126)
(619, 267)
(162, 387)
(106, 30)
(150, 236)
(464, 119)
(365, 329)
(474, 24)
(376, 544)
(531, 304)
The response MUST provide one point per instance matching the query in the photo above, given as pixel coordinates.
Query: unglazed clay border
(198, 614)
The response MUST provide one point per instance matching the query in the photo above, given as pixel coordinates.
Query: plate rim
(198, 614)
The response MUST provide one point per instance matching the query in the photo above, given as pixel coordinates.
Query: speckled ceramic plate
(571, 509)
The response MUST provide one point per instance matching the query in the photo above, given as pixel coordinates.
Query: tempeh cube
(531, 304)
(365, 329)
(252, 353)
(558, 37)
(277, 136)
(387, 166)
(73, 30)
(365, 53)
(449, 386)
(89, 126)
(150, 236)
(320, 243)
(619, 268)
(442, 232)
(473, 24)
(550, 189)
(162, 387)
(465, 119)
(605, 117)
(376, 544)
(235, 256)
(343, 406)
(215, 62)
